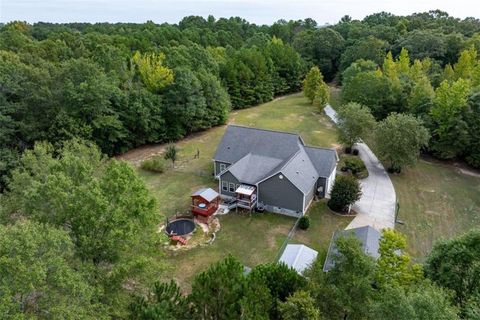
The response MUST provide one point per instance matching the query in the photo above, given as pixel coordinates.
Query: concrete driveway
(377, 204)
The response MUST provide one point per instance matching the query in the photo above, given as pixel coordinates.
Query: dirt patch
(469, 173)
(273, 233)
(137, 155)
(337, 146)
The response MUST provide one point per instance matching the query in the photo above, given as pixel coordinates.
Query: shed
(205, 202)
(298, 257)
(369, 239)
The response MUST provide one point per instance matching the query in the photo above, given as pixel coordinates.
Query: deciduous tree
(38, 278)
(399, 139)
(354, 122)
(315, 89)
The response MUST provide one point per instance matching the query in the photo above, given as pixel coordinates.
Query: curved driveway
(376, 206)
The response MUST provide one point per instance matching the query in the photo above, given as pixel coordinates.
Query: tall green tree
(217, 292)
(354, 122)
(454, 265)
(450, 133)
(344, 292)
(423, 301)
(152, 71)
(299, 306)
(315, 89)
(38, 277)
(371, 89)
(394, 266)
(165, 302)
(281, 282)
(399, 139)
(368, 48)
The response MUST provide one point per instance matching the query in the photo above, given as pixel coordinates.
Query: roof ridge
(299, 252)
(320, 148)
(261, 129)
(290, 159)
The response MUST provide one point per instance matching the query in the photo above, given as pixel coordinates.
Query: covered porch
(205, 202)
(246, 196)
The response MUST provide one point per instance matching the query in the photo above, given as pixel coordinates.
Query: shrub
(304, 223)
(345, 192)
(355, 152)
(155, 164)
(171, 153)
(348, 150)
(355, 165)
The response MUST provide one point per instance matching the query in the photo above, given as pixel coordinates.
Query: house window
(224, 185)
(223, 166)
(232, 187)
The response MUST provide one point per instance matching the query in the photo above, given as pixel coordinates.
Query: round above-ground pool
(180, 227)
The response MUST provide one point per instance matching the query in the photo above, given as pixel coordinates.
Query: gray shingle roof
(298, 257)
(300, 171)
(369, 239)
(238, 141)
(256, 154)
(253, 168)
(323, 159)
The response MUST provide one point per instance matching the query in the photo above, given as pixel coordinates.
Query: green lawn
(255, 239)
(436, 202)
(322, 225)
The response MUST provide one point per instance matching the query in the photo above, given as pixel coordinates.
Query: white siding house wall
(330, 182)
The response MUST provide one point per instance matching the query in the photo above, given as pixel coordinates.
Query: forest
(77, 226)
(126, 85)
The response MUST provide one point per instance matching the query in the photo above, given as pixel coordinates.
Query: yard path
(377, 204)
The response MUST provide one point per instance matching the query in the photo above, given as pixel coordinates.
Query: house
(272, 169)
(369, 239)
(298, 257)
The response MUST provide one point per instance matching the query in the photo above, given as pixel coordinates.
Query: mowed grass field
(256, 239)
(436, 201)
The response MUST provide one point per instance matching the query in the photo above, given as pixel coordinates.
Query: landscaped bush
(354, 165)
(348, 150)
(345, 192)
(304, 223)
(156, 164)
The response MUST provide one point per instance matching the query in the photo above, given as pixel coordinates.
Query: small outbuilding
(369, 239)
(205, 202)
(298, 257)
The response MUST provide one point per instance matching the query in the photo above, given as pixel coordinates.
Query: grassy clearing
(436, 201)
(255, 239)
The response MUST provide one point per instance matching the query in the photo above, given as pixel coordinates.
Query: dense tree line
(446, 100)
(125, 85)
